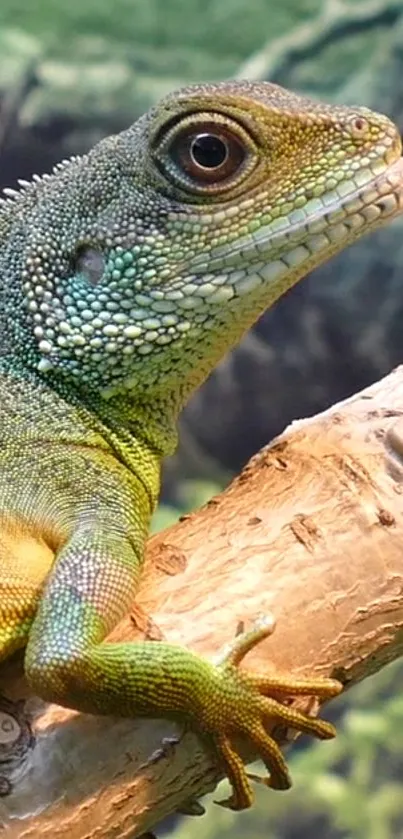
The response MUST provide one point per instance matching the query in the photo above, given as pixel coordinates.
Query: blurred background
(70, 73)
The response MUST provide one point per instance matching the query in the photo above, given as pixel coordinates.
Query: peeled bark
(312, 532)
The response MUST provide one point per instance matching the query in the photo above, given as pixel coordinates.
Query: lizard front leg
(91, 586)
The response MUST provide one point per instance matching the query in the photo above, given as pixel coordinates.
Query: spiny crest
(10, 195)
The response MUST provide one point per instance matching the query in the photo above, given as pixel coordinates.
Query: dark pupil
(209, 151)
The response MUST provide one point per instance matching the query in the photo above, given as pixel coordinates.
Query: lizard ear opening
(89, 263)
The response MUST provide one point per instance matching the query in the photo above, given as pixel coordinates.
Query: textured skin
(124, 277)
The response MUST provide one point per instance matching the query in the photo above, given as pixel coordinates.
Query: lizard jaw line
(334, 217)
(295, 252)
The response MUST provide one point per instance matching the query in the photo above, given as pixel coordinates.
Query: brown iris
(203, 155)
(208, 153)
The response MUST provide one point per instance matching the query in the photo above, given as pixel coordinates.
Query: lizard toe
(242, 704)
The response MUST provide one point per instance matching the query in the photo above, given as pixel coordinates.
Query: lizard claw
(245, 703)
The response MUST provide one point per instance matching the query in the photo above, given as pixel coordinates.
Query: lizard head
(143, 262)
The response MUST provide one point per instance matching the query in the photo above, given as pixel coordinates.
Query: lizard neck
(153, 422)
(48, 408)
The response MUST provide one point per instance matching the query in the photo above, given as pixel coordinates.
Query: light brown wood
(311, 531)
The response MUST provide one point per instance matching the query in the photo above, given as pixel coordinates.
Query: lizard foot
(245, 702)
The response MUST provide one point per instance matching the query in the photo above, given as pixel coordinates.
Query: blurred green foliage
(231, 29)
(94, 58)
(97, 60)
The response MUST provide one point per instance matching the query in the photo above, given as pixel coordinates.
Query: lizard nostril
(359, 127)
(360, 124)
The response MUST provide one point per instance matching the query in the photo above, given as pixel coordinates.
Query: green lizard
(124, 278)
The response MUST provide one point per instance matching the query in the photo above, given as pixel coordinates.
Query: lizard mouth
(294, 244)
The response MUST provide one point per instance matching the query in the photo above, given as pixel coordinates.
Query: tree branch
(312, 531)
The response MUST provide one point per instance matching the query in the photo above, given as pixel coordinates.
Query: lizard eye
(205, 156)
(209, 151)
